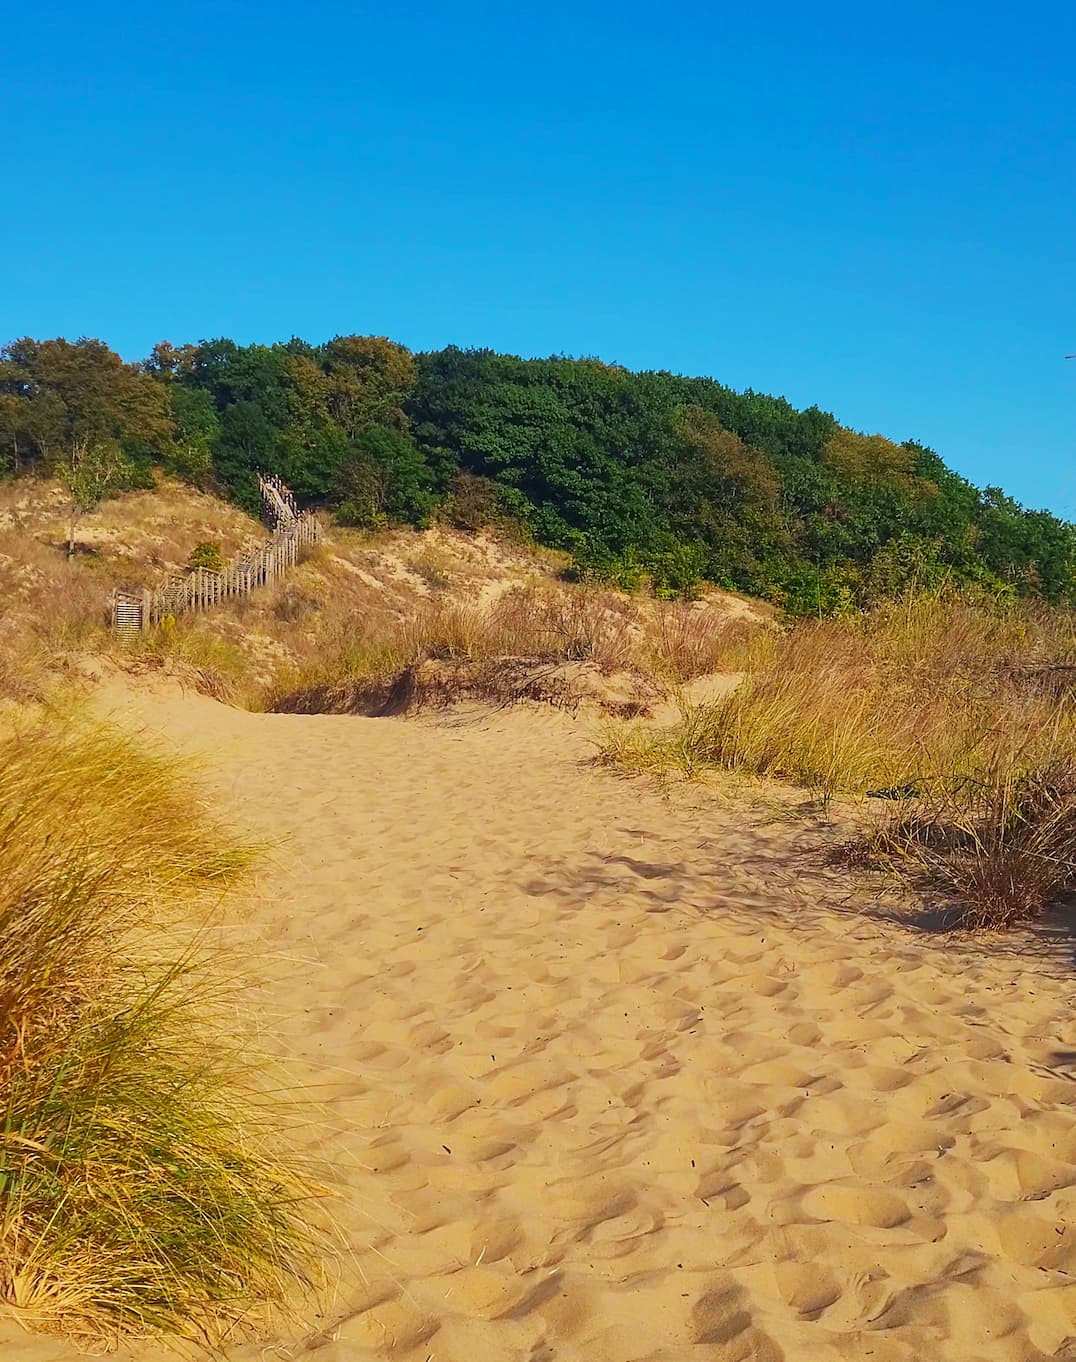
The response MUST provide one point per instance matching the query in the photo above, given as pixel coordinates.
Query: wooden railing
(255, 566)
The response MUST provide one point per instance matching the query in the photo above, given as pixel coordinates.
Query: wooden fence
(255, 566)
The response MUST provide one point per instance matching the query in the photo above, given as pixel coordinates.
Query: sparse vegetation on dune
(359, 611)
(685, 641)
(364, 662)
(551, 641)
(54, 610)
(957, 713)
(934, 699)
(140, 1191)
(1002, 842)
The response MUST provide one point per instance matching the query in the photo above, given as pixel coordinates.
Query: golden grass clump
(686, 640)
(925, 689)
(538, 624)
(48, 611)
(1003, 843)
(197, 651)
(139, 1188)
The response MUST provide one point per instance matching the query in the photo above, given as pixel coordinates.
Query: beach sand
(609, 1075)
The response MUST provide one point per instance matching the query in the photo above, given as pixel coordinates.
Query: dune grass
(663, 642)
(960, 713)
(1002, 842)
(140, 1189)
(926, 689)
(524, 622)
(196, 651)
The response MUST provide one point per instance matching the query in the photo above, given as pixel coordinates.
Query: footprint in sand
(857, 1204)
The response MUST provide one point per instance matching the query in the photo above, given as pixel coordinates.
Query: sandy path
(609, 1081)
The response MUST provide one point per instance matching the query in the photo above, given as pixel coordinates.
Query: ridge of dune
(612, 1076)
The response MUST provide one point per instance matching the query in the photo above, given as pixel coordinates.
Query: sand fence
(255, 566)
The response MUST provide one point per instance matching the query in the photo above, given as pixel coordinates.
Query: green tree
(58, 392)
(385, 478)
(89, 472)
(369, 379)
(197, 426)
(170, 363)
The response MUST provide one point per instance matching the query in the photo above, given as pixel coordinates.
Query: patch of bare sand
(612, 1076)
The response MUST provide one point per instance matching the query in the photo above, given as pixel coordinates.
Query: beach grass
(142, 1190)
(958, 714)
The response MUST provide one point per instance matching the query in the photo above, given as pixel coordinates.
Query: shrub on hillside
(206, 555)
(473, 503)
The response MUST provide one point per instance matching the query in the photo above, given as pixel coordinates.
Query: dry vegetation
(52, 612)
(360, 609)
(479, 618)
(140, 1191)
(553, 642)
(958, 715)
(362, 621)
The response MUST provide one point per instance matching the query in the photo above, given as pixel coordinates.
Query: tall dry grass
(1003, 843)
(523, 622)
(140, 1189)
(685, 640)
(926, 688)
(550, 623)
(961, 714)
(197, 651)
(49, 610)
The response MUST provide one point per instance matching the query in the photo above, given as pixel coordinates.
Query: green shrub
(206, 555)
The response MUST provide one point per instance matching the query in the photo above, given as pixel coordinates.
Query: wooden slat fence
(257, 565)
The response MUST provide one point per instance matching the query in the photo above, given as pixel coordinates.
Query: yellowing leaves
(874, 461)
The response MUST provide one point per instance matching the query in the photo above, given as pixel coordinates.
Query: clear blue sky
(869, 207)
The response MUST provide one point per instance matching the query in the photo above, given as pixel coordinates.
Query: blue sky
(868, 207)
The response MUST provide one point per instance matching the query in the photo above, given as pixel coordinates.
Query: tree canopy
(653, 474)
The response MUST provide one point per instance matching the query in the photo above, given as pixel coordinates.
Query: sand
(611, 1075)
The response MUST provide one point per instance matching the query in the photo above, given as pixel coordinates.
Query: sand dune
(613, 1076)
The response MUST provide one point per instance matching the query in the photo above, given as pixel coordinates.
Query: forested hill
(638, 475)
